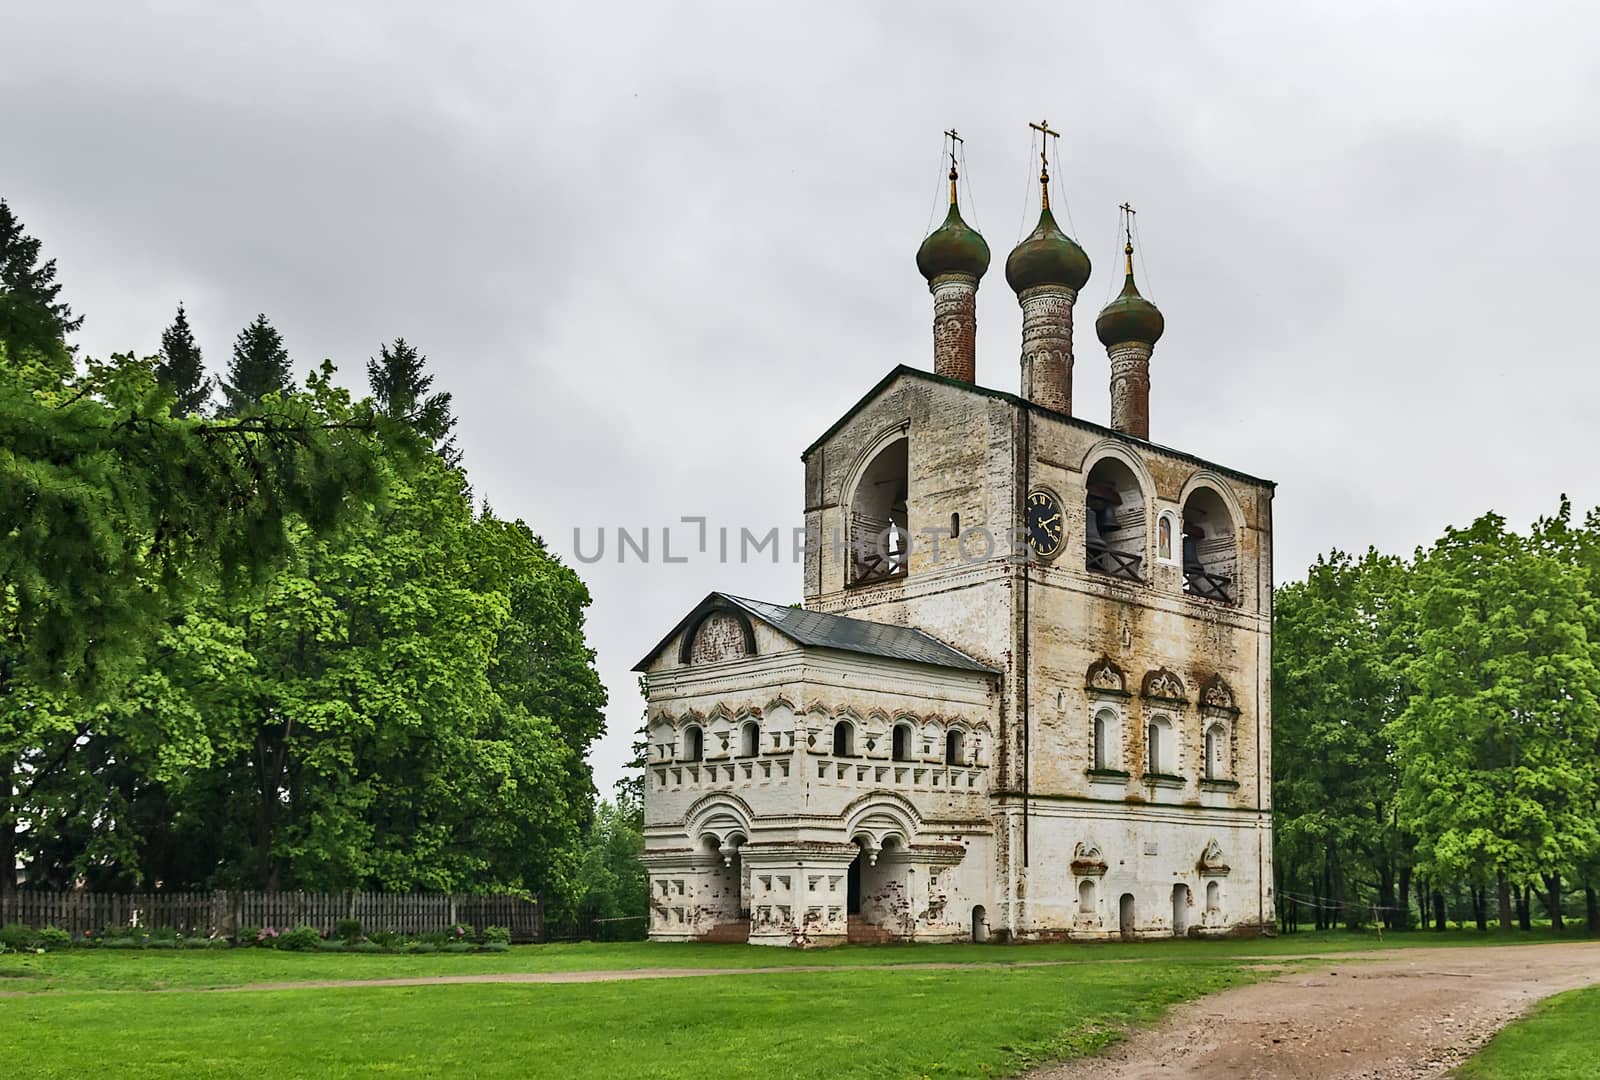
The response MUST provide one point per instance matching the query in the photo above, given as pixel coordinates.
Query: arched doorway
(980, 924)
(1180, 910)
(853, 885)
(1125, 916)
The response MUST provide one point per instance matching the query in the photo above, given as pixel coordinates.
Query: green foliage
(258, 370)
(347, 929)
(301, 939)
(1440, 717)
(400, 386)
(180, 370)
(496, 935)
(612, 881)
(32, 317)
(53, 937)
(17, 937)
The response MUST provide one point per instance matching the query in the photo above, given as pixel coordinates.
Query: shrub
(53, 937)
(332, 945)
(347, 929)
(267, 937)
(458, 947)
(367, 947)
(387, 939)
(497, 946)
(423, 947)
(18, 938)
(248, 935)
(199, 942)
(122, 941)
(458, 932)
(496, 935)
(161, 943)
(301, 939)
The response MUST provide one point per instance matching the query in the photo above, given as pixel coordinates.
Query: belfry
(1027, 696)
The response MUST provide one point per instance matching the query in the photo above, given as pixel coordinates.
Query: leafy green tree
(33, 318)
(615, 889)
(400, 386)
(1497, 744)
(1336, 687)
(180, 370)
(260, 366)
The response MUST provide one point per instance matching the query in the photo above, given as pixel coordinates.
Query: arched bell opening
(1115, 529)
(1210, 556)
(880, 537)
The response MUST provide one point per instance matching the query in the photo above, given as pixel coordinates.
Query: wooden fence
(221, 914)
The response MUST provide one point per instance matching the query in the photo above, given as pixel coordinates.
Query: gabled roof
(817, 630)
(1024, 403)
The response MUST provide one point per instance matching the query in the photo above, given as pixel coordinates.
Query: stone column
(1130, 388)
(1047, 346)
(955, 326)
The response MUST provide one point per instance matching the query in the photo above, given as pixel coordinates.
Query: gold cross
(1127, 230)
(1045, 134)
(954, 139)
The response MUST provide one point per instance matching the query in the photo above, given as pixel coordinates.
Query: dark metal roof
(815, 629)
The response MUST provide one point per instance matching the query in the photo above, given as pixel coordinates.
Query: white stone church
(1027, 697)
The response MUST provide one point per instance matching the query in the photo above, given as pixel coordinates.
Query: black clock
(1047, 525)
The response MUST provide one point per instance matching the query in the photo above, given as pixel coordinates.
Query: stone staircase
(729, 933)
(862, 932)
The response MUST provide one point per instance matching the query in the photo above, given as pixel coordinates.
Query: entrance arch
(1125, 916)
(980, 924)
(1180, 910)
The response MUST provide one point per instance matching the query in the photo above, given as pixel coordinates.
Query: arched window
(879, 536)
(1216, 748)
(750, 739)
(1164, 538)
(1115, 532)
(1209, 556)
(902, 742)
(1086, 902)
(1161, 751)
(1105, 729)
(1213, 898)
(955, 748)
(844, 739)
(694, 744)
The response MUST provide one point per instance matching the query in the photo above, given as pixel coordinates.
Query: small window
(955, 748)
(902, 742)
(1161, 749)
(955, 526)
(694, 747)
(1105, 750)
(750, 740)
(1215, 748)
(844, 739)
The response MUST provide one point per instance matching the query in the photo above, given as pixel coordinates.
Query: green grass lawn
(977, 1022)
(107, 969)
(1559, 1040)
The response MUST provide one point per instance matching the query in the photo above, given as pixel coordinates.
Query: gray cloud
(655, 251)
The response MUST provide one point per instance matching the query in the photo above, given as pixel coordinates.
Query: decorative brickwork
(1047, 346)
(955, 326)
(1130, 388)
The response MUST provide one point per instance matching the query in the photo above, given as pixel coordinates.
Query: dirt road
(1411, 1013)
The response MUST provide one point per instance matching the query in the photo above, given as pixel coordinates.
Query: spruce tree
(179, 368)
(260, 366)
(31, 317)
(400, 386)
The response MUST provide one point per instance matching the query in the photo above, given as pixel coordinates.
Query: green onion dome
(1130, 317)
(953, 248)
(1047, 256)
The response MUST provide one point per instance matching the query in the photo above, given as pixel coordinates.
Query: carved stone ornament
(1165, 685)
(1088, 860)
(1211, 860)
(1106, 676)
(1216, 695)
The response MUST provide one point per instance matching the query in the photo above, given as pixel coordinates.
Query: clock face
(1047, 525)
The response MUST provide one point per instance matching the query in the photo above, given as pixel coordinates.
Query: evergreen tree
(180, 369)
(260, 366)
(400, 386)
(31, 318)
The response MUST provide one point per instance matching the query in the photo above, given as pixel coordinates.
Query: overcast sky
(655, 250)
